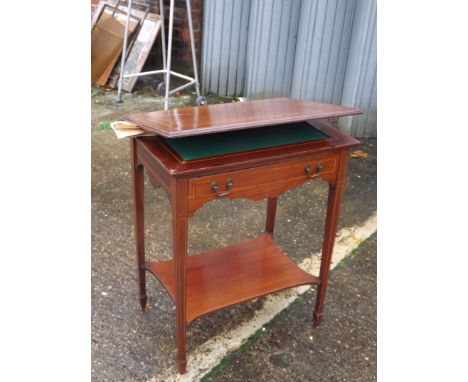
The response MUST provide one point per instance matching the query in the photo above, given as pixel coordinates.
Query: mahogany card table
(255, 150)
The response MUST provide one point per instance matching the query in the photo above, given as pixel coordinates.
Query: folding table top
(199, 120)
(230, 142)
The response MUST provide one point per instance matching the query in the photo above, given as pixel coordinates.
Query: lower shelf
(228, 276)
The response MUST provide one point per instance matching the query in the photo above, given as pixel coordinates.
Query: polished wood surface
(257, 183)
(234, 116)
(179, 271)
(335, 197)
(163, 163)
(139, 221)
(228, 276)
(271, 214)
(204, 283)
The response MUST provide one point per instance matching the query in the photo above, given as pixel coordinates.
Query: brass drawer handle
(215, 187)
(311, 174)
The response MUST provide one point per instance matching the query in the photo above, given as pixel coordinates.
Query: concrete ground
(343, 348)
(129, 345)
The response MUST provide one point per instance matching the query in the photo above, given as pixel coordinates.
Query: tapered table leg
(335, 197)
(138, 216)
(180, 236)
(271, 214)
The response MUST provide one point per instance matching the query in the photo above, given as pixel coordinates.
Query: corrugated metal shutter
(360, 85)
(270, 47)
(322, 50)
(224, 46)
(322, 47)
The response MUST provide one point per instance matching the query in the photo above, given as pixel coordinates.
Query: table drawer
(259, 182)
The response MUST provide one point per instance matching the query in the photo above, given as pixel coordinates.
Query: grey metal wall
(224, 46)
(322, 46)
(321, 50)
(360, 84)
(271, 45)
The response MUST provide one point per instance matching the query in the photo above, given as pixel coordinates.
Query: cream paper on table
(124, 129)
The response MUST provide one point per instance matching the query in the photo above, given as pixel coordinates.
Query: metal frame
(115, 8)
(166, 71)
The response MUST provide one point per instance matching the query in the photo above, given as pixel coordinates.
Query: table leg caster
(144, 303)
(317, 317)
(181, 364)
(202, 101)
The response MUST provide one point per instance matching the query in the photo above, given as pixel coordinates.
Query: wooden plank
(139, 52)
(107, 40)
(106, 44)
(110, 67)
(234, 116)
